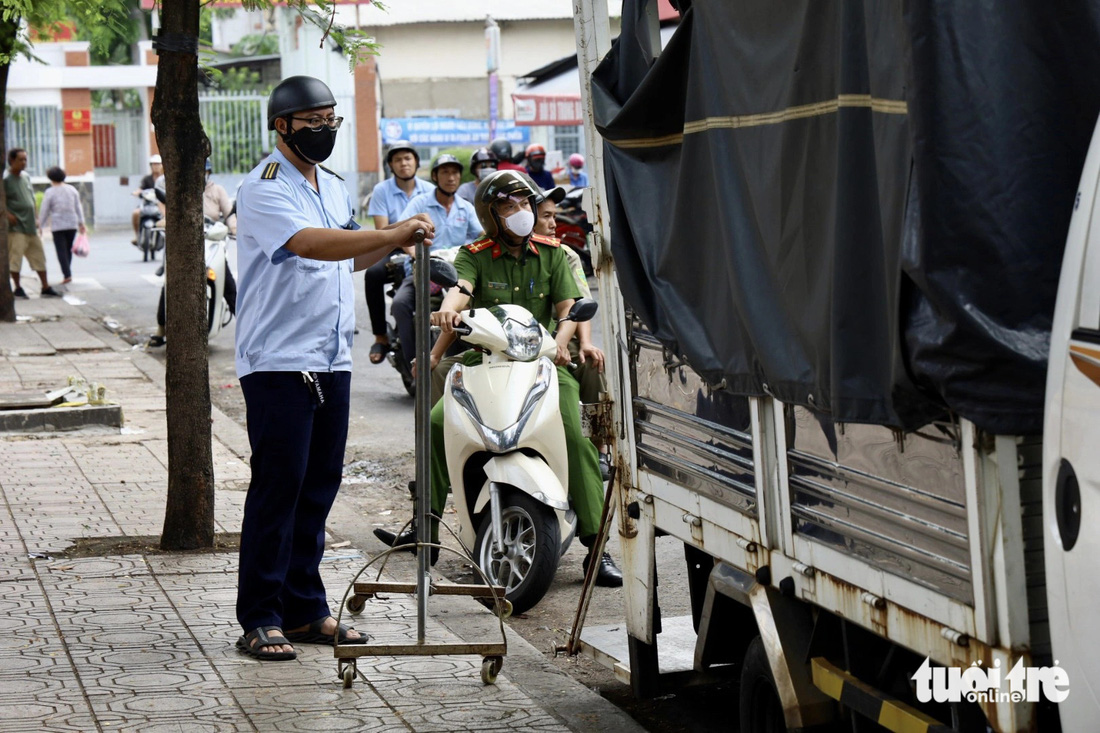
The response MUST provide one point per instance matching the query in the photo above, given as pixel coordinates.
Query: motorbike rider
(482, 163)
(588, 357)
(388, 199)
(577, 177)
(536, 166)
(511, 264)
(216, 206)
(456, 224)
(503, 150)
(156, 168)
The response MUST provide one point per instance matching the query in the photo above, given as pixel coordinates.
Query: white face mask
(485, 172)
(520, 223)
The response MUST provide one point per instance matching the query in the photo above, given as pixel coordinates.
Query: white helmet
(155, 159)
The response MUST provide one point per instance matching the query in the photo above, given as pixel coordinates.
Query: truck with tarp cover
(831, 236)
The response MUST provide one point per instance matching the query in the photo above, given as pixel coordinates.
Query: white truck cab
(1071, 459)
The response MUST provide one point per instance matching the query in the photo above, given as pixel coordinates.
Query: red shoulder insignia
(548, 241)
(479, 245)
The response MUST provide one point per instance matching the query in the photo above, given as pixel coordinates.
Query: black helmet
(295, 94)
(483, 155)
(502, 184)
(501, 148)
(399, 146)
(446, 159)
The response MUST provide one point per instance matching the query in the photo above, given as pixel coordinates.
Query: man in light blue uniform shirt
(388, 199)
(297, 246)
(456, 224)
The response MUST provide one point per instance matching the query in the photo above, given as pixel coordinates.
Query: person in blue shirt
(297, 247)
(388, 199)
(456, 224)
(577, 177)
(536, 167)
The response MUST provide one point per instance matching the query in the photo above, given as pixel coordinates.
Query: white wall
(457, 50)
(227, 31)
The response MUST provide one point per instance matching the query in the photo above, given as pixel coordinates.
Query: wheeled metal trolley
(358, 593)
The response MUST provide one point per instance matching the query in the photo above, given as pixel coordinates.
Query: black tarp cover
(859, 207)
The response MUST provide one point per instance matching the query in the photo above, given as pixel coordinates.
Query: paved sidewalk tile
(146, 642)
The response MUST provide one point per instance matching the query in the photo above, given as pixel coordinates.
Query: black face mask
(536, 164)
(312, 147)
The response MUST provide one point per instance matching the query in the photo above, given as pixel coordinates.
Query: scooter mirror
(443, 273)
(583, 310)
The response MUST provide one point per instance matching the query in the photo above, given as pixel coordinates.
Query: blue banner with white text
(446, 131)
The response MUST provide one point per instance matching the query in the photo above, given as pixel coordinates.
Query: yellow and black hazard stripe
(271, 170)
(888, 712)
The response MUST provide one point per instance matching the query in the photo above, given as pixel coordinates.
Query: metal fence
(38, 131)
(117, 144)
(236, 123)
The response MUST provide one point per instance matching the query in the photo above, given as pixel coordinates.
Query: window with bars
(38, 131)
(568, 139)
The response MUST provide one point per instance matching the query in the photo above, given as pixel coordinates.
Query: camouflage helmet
(502, 185)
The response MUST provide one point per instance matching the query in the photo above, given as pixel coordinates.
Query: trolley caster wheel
(355, 605)
(490, 668)
(348, 675)
(505, 608)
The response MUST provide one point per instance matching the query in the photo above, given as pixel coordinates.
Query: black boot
(607, 574)
(408, 537)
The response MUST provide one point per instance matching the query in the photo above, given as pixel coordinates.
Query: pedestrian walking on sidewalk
(63, 209)
(23, 237)
(297, 248)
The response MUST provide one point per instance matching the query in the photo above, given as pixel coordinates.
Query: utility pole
(492, 64)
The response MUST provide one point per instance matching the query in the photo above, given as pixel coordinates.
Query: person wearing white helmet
(156, 168)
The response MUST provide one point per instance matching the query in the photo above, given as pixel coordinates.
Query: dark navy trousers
(297, 463)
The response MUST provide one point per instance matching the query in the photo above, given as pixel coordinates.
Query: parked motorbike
(395, 275)
(150, 238)
(506, 450)
(221, 289)
(573, 227)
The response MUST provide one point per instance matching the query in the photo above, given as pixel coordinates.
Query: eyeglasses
(316, 123)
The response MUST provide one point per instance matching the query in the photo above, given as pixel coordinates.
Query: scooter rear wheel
(532, 539)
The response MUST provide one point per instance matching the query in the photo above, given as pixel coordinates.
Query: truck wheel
(532, 542)
(761, 710)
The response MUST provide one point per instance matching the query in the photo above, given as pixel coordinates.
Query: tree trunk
(8, 29)
(189, 516)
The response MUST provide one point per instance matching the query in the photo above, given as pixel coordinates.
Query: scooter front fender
(528, 474)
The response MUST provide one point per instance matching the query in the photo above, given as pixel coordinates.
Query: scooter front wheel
(532, 546)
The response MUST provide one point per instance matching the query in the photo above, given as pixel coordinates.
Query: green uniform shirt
(21, 202)
(537, 280)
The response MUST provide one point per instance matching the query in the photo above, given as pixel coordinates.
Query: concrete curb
(60, 418)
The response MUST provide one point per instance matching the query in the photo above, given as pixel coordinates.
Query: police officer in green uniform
(513, 265)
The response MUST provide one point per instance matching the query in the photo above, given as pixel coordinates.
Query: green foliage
(113, 45)
(116, 99)
(255, 44)
(108, 19)
(353, 42)
(241, 80)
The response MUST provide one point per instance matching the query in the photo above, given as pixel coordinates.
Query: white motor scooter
(218, 313)
(506, 450)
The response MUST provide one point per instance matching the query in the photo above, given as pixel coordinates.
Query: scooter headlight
(524, 339)
(503, 441)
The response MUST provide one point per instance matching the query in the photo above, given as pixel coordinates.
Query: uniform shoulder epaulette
(327, 170)
(543, 239)
(271, 171)
(479, 245)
